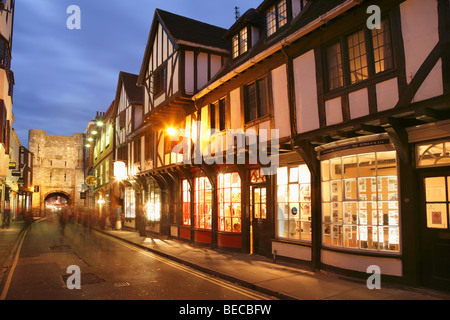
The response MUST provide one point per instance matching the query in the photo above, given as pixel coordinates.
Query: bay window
(360, 201)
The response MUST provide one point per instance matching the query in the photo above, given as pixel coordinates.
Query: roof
(251, 16)
(134, 93)
(185, 29)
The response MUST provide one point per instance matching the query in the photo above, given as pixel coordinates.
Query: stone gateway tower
(58, 168)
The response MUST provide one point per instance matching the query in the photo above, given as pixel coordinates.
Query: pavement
(280, 280)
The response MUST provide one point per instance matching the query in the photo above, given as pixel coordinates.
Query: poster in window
(436, 217)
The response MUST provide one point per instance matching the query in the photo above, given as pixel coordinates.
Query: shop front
(360, 205)
(153, 207)
(431, 145)
(212, 216)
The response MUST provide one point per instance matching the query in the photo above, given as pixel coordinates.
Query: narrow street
(110, 270)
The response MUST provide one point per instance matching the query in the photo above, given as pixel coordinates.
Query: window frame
(372, 74)
(217, 115)
(160, 80)
(247, 116)
(238, 42)
(277, 26)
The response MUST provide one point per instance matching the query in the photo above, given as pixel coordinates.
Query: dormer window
(240, 43)
(277, 17)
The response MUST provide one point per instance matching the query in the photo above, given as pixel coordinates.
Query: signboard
(16, 173)
(82, 195)
(91, 181)
(12, 165)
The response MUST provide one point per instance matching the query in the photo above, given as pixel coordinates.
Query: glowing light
(101, 201)
(171, 131)
(120, 170)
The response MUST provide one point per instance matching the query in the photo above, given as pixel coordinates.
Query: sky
(64, 76)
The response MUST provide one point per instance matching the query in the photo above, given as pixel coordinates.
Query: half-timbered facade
(310, 131)
(129, 142)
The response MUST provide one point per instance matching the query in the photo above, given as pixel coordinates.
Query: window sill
(257, 121)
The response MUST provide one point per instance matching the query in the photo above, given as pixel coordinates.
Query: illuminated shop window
(433, 154)
(229, 202)
(186, 201)
(294, 202)
(257, 176)
(202, 203)
(153, 206)
(360, 202)
(130, 205)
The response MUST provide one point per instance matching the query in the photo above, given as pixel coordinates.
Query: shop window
(153, 206)
(360, 202)
(229, 202)
(437, 197)
(294, 202)
(130, 204)
(186, 200)
(433, 154)
(202, 203)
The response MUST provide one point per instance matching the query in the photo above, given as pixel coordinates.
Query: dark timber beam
(399, 136)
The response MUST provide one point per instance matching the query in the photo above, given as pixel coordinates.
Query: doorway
(258, 219)
(435, 229)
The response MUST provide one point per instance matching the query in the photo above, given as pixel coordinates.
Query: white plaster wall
(388, 266)
(387, 94)
(216, 64)
(280, 101)
(235, 107)
(359, 103)
(420, 35)
(202, 70)
(189, 72)
(333, 109)
(291, 251)
(306, 103)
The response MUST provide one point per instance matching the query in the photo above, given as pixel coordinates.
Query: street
(110, 269)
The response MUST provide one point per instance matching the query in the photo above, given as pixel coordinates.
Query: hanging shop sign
(91, 181)
(12, 165)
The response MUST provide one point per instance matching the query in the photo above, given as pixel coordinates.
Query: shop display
(360, 201)
(294, 203)
(229, 202)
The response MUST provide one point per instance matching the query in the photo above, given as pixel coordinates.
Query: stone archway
(56, 200)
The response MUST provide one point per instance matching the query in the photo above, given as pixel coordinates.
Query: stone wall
(57, 167)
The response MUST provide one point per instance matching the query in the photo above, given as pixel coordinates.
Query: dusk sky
(63, 77)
